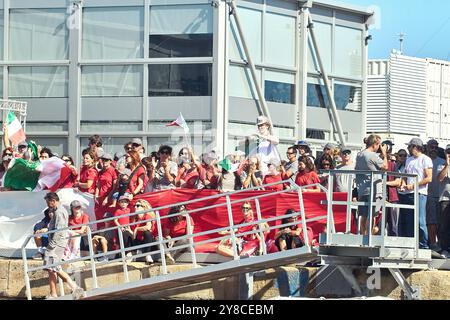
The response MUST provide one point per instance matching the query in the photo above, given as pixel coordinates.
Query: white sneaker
(77, 293)
(445, 254)
(149, 259)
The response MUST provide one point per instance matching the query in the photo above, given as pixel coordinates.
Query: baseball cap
(119, 155)
(302, 143)
(274, 162)
(75, 204)
(136, 141)
(330, 146)
(415, 142)
(262, 120)
(124, 197)
(100, 152)
(388, 142)
(447, 147)
(433, 142)
(346, 150)
(107, 156)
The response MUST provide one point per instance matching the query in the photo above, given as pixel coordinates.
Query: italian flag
(36, 176)
(180, 122)
(15, 130)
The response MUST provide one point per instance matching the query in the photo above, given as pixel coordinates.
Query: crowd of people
(115, 180)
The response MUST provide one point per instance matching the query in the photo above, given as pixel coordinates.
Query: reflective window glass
(251, 21)
(38, 34)
(180, 80)
(38, 82)
(111, 81)
(316, 94)
(113, 33)
(279, 87)
(347, 97)
(181, 31)
(280, 39)
(348, 52)
(1, 82)
(323, 36)
(240, 83)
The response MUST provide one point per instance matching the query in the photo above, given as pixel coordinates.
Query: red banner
(271, 206)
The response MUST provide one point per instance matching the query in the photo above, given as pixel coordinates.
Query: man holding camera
(370, 160)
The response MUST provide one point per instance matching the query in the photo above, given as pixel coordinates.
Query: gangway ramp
(200, 274)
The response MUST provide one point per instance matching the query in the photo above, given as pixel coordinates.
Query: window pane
(57, 145)
(181, 19)
(111, 81)
(317, 134)
(240, 83)
(113, 33)
(323, 35)
(180, 80)
(317, 95)
(1, 34)
(280, 40)
(38, 34)
(347, 97)
(181, 45)
(251, 26)
(38, 82)
(348, 52)
(279, 87)
(110, 126)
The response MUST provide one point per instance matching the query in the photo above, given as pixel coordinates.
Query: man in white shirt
(422, 166)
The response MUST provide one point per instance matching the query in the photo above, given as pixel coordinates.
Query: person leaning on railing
(145, 231)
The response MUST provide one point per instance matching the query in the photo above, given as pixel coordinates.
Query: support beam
(326, 80)
(411, 293)
(263, 109)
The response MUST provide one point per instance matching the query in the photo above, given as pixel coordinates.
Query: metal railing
(376, 177)
(162, 243)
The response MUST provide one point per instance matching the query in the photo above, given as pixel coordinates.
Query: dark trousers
(406, 219)
(444, 225)
(289, 240)
(392, 221)
(148, 238)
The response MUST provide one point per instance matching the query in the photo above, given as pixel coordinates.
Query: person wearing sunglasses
(107, 179)
(307, 175)
(7, 156)
(145, 230)
(163, 172)
(247, 244)
(289, 237)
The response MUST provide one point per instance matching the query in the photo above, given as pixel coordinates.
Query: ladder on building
(238, 265)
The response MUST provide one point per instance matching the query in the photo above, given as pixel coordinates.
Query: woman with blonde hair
(145, 229)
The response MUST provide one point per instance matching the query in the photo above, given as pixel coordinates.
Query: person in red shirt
(225, 246)
(72, 179)
(123, 222)
(80, 219)
(273, 175)
(107, 178)
(88, 173)
(191, 174)
(138, 173)
(212, 172)
(144, 231)
(306, 175)
(177, 226)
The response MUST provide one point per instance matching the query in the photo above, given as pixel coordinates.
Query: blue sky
(425, 23)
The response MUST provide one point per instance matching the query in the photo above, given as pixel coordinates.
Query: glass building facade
(125, 68)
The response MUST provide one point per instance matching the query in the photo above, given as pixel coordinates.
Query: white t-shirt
(417, 166)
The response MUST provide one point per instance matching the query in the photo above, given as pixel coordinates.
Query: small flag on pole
(15, 130)
(180, 122)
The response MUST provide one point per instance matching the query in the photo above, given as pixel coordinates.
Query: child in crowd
(123, 221)
(121, 186)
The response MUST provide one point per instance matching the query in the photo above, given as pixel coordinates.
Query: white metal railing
(163, 243)
(382, 178)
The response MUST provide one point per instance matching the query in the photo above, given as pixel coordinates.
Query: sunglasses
(325, 164)
(66, 160)
(135, 145)
(402, 155)
(165, 152)
(138, 205)
(246, 208)
(129, 148)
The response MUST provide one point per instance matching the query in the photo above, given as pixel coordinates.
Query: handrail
(163, 248)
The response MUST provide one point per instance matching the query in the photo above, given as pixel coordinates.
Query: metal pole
(264, 110)
(383, 215)
(161, 245)
(302, 213)
(25, 270)
(416, 215)
(191, 241)
(329, 214)
(348, 227)
(91, 253)
(326, 81)
(122, 253)
(330, 188)
(370, 215)
(261, 233)
(231, 223)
